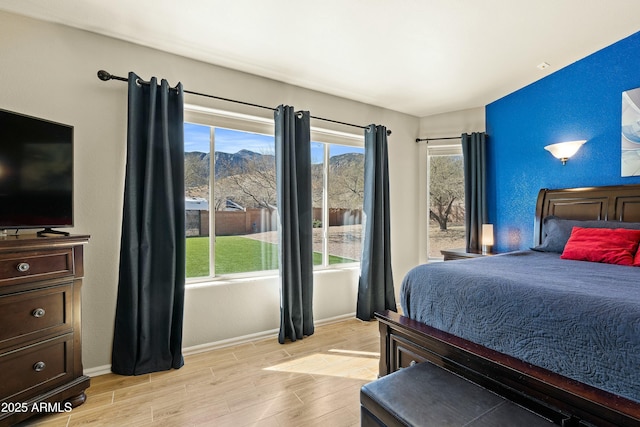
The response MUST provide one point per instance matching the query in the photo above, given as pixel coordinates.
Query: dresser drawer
(21, 267)
(30, 315)
(35, 368)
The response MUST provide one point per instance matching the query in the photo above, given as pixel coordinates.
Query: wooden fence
(249, 221)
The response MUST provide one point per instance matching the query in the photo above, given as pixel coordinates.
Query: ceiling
(420, 57)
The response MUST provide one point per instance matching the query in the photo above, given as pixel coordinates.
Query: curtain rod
(106, 76)
(437, 139)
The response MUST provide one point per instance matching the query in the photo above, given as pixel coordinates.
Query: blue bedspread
(576, 318)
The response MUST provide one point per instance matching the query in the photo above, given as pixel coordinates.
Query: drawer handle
(39, 366)
(23, 267)
(38, 312)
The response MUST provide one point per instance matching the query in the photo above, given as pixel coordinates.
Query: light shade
(564, 150)
(487, 234)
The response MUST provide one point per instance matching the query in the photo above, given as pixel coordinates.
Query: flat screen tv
(36, 173)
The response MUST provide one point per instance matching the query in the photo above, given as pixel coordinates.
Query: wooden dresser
(40, 328)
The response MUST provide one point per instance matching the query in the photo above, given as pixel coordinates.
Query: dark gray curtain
(475, 187)
(149, 311)
(293, 180)
(375, 289)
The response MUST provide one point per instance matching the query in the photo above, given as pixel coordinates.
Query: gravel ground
(344, 240)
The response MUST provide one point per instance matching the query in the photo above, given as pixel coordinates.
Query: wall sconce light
(564, 150)
(487, 238)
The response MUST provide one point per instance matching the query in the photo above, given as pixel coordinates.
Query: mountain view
(247, 178)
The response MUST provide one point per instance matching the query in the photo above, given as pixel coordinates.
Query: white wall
(49, 71)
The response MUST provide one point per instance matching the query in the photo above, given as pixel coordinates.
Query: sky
(196, 138)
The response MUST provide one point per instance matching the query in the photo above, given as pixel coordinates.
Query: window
(445, 183)
(237, 202)
(338, 193)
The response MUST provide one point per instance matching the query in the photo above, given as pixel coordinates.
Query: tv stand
(48, 231)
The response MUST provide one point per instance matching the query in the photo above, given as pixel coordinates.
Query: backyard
(451, 238)
(259, 251)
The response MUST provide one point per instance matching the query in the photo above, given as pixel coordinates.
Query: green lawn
(236, 254)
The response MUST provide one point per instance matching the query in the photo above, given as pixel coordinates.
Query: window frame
(213, 117)
(348, 140)
(437, 148)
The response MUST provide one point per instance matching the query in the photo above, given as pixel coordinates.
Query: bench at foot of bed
(427, 395)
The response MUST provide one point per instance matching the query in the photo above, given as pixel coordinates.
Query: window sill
(271, 275)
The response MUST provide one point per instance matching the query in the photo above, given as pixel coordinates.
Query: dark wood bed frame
(564, 401)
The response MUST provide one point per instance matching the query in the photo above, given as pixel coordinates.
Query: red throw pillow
(611, 246)
(636, 259)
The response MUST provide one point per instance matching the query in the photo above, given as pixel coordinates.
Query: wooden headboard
(610, 203)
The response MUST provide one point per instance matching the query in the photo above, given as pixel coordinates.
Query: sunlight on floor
(338, 363)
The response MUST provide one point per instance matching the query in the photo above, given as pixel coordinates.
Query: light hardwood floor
(311, 382)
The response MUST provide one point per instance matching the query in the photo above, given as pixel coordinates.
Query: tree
(317, 183)
(250, 181)
(346, 181)
(446, 187)
(196, 174)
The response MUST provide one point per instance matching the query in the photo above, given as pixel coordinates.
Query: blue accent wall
(580, 101)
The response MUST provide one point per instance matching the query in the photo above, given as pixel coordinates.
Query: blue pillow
(556, 231)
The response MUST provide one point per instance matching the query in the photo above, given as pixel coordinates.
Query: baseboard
(335, 319)
(98, 370)
(201, 348)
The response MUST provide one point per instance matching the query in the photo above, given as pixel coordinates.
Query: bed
(559, 336)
